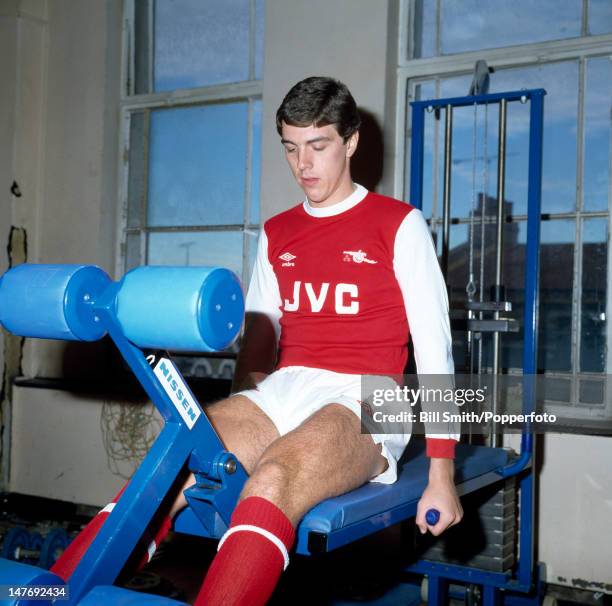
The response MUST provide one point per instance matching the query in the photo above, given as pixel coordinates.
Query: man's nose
(304, 159)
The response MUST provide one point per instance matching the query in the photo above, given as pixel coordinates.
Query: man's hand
(440, 494)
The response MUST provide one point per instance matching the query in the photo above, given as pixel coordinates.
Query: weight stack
(486, 538)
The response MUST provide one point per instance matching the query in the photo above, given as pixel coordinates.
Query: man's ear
(351, 144)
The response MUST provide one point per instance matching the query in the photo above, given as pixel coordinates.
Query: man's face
(319, 161)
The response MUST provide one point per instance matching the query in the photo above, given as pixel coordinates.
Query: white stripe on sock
(264, 533)
(151, 549)
(108, 508)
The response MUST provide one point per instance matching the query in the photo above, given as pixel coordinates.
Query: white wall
(58, 450)
(59, 67)
(345, 39)
(575, 510)
(8, 73)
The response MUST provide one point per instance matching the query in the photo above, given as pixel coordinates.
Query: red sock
(160, 535)
(68, 561)
(252, 555)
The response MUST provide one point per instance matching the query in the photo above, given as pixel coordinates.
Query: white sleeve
(420, 279)
(263, 295)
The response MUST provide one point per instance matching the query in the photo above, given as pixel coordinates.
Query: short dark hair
(320, 101)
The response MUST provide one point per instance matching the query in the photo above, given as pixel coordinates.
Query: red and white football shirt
(343, 286)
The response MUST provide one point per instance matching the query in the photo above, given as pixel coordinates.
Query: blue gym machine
(523, 585)
(201, 309)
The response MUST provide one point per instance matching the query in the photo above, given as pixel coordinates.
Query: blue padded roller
(180, 308)
(52, 301)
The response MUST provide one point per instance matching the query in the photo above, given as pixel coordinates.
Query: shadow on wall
(367, 163)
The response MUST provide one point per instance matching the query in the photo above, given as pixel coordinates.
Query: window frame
(410, 72)
(249, 91)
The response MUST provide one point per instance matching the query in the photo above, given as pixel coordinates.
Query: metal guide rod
(499, 259)
(448, 157)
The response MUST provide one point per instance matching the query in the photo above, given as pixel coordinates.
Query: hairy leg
(327, 455)
(245, 431)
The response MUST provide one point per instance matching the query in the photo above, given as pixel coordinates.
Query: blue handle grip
(432, 516)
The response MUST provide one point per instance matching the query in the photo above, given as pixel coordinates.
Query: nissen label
(180, 395)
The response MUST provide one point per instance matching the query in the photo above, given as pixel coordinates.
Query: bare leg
(245, 431)
(325, 456)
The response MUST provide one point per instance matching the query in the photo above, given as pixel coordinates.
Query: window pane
(594, 295)
(259, 38)
(597, 104)
(556, 283)
(474, 169)
(474, 24)
(132, 251)
(137, 171)
(600, 17)
(560, 117)
(256, 163)
(560, 80)
(142, 46)
(425, 29)
(592, 393)
(197, 165)
(513, 280)
(556, 280)
(200, 43)
(214, 248)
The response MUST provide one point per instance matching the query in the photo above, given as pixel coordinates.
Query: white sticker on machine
(179, 393)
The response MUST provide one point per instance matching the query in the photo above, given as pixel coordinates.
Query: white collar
(335, 209)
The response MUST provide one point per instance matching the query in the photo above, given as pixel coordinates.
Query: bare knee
(270, 480)
(244, 429)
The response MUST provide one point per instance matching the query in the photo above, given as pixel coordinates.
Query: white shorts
(292, 394)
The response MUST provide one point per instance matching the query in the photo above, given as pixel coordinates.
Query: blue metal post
(491, 596)
(437, 590)
(416, 156)
(530, 347)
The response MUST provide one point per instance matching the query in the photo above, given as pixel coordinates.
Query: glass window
(600, 17)
(470, 25)
(193, 160)
(593, 321)
(200, 43)
(197, 165)
(573, 336)
(597, 136)
(560, 80)
(556, 294)
(213, 248)
(137, 169)
(194, 164)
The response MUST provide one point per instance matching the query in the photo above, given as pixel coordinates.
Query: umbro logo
(356, 257)
(287, 258)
